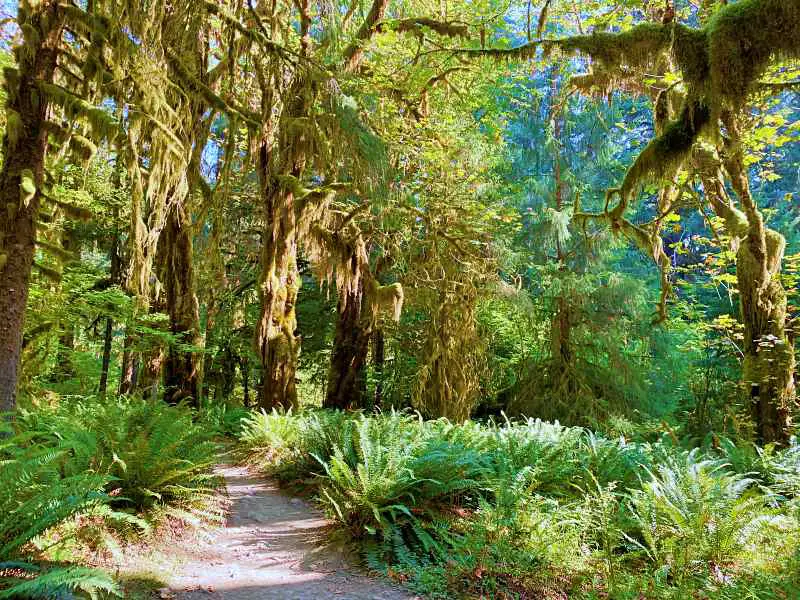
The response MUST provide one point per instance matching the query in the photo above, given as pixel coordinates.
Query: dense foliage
(535, 507)
(91, 474)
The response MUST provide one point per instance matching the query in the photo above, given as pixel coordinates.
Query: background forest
(510, 287)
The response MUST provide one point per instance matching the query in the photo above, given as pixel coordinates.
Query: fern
(154, 455)
(36, 498)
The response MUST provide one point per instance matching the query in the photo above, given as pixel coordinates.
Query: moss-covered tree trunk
(276, 343)
(769, 361)
(21, 177)
(347, 377)
(177, 277)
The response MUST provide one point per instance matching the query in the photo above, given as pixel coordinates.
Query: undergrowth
(535, 509)
(90, 474)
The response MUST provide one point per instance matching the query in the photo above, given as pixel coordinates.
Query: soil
(274, 546)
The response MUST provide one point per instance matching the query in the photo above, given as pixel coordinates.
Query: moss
(690, 49)
(387, 298)
(638, 47)
(720, 63)
(83, 147)
(13, 126)
(743, 37)
(27, 186)
(416, 25)
(663, 156)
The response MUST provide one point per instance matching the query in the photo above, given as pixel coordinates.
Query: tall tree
(23, 174)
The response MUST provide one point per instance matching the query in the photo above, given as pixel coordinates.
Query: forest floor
(273, 546)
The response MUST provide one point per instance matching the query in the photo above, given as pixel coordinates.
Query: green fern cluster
(157, 458)
(286, 445)
(389, 478)
(501, 508)
(36, 497)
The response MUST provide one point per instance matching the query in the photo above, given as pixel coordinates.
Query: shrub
(535, 509)
(290, 446)
(385, 480)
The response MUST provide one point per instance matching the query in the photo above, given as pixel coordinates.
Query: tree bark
(275, 342)
(151, 371)
(378, 361)
(347, 377)
(24, 151)
(129, 369)
(769, 361)
(177, 277)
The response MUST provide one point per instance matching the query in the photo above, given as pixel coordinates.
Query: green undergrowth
(534, 509)
(83, 476)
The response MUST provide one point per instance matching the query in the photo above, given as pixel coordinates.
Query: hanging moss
(637, 47)
(663, 156)
(720, 66)
(388, 298)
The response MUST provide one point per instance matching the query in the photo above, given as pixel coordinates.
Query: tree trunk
(275, 342)
(115, 278)
(151, 371)
(64, 369)
(24, 150)
(769, 361)
(560, 342)
(346, 377)
(244, 369)
(108, 337)
(177, 277)
(378, 361)
(129, 369)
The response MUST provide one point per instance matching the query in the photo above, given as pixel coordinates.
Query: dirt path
(273, 546)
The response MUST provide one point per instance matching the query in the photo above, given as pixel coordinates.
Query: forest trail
(272, 547)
